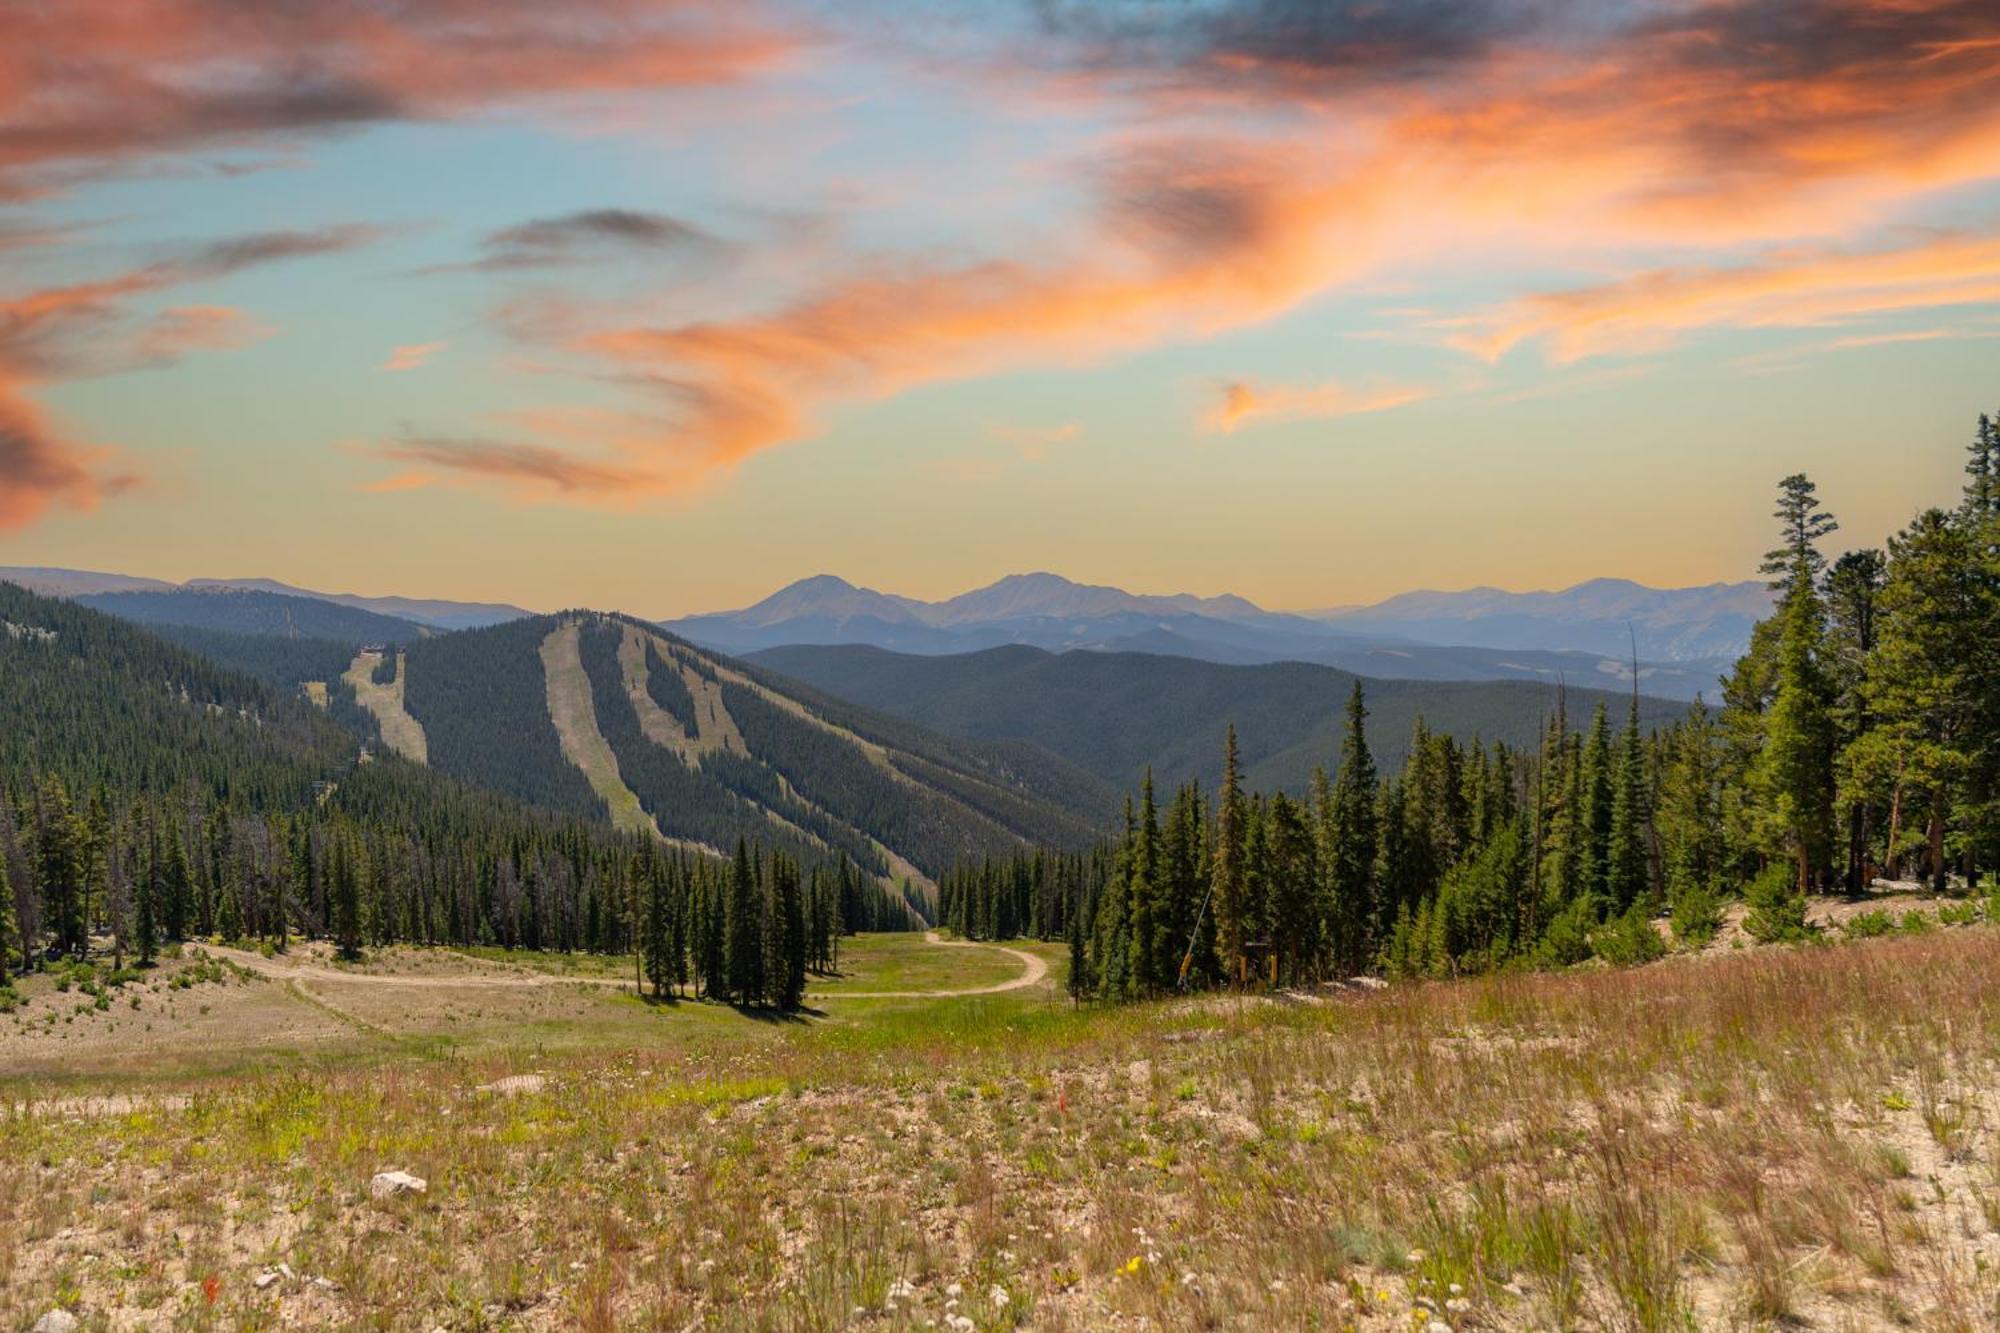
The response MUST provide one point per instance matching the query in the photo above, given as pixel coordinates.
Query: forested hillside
(248, 611)
(149, 796)
(1859, 737)
(1118, 714)
(694, 747)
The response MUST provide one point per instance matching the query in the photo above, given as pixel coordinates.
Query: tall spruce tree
(1629, 852)
(743, 930)
(1230, 906)
(1353, 910)
(1142, 898)
(1792, 776)
(10, 928)
(1594, 799)
(1925, 679)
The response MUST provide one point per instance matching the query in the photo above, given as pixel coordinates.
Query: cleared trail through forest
(1035, 970)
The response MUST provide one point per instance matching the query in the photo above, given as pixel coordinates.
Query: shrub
(1697, 916)
(1568, 937)
(1629, 940)
(1777, 908)
(1868, 925)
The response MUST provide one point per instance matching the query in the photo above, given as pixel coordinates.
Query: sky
(661, 304)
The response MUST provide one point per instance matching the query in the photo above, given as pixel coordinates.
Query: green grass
(1749, 1137)
(908, 962)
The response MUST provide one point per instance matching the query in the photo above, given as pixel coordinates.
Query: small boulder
(388, 1184)
(56, 1321)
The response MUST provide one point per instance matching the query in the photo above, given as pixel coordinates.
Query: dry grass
(1776, 1135)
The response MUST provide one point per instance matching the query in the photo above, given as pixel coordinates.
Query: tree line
(1858, 738)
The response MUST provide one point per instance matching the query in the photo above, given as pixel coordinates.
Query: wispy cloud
(409, 356)
(524, 465)
(1337, 137)
(1242, 403)
(591, 236)
(1793, 288)
(94, 85)
(92, 328)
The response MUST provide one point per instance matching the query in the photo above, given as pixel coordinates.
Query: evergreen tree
(1142, 896)
(10, 927)
(1629, 855)
(743, 930)
(1693, 851)
(1230, 906)
(1793, 775)
(146, 897)
(344, 900)
(63, 847)
(1352, 909)
(1796, 562)
(1925, 678)
(1594, 799)
(1853, 594)
(788, 985)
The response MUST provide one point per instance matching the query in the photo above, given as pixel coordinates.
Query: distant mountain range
(1686, 637)
(1671, 624)
(1117, 714)
(237, 610)
(435, 613)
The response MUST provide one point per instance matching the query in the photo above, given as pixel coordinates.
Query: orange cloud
(1650, 310)
(1364, 134)
(411, 355)
(402, 481)
(90, 328)
(1243, 403)
(90, 84)
(532, 466)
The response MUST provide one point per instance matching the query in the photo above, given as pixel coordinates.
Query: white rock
(388, 1184)
(56, 1321)
(263, 1280)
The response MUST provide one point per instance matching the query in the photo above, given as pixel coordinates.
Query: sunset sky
(659, 304)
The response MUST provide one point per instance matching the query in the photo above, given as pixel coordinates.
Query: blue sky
(1312, 303)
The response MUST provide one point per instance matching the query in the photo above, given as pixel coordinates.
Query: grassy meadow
(1751, 1138)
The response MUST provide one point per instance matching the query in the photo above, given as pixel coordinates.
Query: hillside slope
(1114, 714)
(608, 717)
(243, 611)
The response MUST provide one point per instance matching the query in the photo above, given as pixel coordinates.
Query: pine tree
(1593, 813)
(1925, 680)
(1796, 562)
(146, 897)
(1353, 909)
(788, 985)
(1143, 893)
(10, 927)
(344, 900)
(743, 930)
(1853, 597)
(1793, 773)
(1629, 853)
(62, 848)
(1229, 902)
